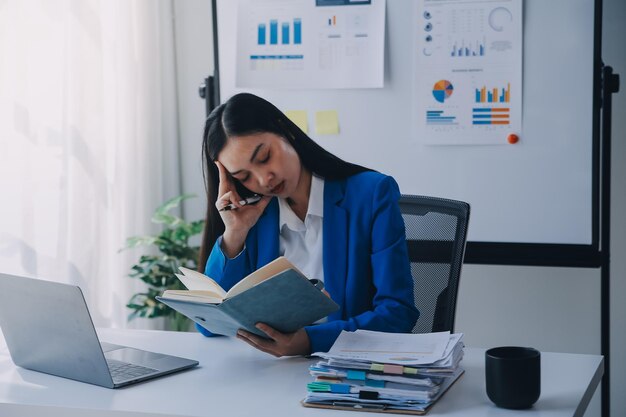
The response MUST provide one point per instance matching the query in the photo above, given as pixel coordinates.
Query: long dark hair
(247, 114)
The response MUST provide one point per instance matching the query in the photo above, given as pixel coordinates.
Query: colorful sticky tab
(340, 388)
(410, 371)
(378, 367)
(327, 122)
(327, 379)
(318, 387)
(326, 387)
(300, 118)
(356, 375)
(393, 369)
(374, 383)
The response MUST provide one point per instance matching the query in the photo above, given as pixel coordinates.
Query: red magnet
(512, 138)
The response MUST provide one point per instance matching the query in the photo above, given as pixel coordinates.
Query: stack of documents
(376, 371)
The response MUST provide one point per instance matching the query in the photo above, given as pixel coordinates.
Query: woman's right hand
(239, 221)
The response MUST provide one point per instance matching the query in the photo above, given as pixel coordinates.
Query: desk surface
(233, 379)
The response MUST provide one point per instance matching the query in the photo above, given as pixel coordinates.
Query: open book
(276, 294)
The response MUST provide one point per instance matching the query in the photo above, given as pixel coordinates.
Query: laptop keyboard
(122, 371)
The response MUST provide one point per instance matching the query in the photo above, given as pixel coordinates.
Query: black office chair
(436, 232)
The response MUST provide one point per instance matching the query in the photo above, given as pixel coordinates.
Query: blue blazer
(366, 264)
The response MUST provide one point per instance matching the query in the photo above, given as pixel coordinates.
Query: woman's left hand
(279, 344)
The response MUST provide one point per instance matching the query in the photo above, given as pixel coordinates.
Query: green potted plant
(157, 270)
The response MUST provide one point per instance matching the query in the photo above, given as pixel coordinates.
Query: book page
(270, 270)
(202, 297)
(195, 296)
(194, 280)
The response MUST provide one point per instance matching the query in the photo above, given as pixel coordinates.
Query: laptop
(48, 328)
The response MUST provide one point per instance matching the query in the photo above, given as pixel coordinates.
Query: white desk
(233, 379)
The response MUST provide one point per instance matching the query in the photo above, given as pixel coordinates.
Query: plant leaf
(173, 202)
(135, 241)
(196, 227)
(161, 214)
(157, 271)
(166, 218)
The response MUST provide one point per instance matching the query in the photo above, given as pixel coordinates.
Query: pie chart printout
(442, 90)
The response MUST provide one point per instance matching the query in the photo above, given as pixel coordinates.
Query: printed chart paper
(310, 44)
(468, 71)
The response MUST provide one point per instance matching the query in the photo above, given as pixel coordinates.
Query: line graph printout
(310, 44)
(468, 72)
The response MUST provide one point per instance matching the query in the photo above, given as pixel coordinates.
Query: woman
(334, 220)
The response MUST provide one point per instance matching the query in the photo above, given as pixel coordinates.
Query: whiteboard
(536, 191)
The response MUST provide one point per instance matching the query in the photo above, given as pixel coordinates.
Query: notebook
(48, 328)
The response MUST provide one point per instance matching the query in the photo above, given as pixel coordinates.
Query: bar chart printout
(493, 95)
(310, 44)
(490, 116)
(468, 77)
(287, 28)
(464, 50)
(439, 117)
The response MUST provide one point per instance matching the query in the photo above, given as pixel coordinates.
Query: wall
(194, 62)
(553, 309)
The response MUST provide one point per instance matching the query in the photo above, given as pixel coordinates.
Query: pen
(246, 201)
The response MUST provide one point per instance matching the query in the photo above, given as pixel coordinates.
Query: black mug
(513, 376)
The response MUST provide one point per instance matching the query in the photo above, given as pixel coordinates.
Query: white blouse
(302, 242)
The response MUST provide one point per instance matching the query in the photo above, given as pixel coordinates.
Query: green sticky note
(327, 122)
(300, 118)
(377, 367)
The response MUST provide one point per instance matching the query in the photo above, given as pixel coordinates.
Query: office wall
(553, 309)
(194, 62)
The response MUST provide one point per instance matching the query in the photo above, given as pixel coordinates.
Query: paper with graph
(468, 74)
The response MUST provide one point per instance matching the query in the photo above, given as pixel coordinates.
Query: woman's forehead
(247, 143)
(240, 150)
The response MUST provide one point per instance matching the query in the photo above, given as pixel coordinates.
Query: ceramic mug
(513, 376)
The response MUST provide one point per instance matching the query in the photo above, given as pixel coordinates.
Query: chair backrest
(436, 233)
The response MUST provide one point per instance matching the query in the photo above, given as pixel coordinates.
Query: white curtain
(87, 140)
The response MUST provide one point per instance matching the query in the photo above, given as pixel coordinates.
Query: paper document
(388, 372)
(391, 348)
(310, 44)
(468, 83)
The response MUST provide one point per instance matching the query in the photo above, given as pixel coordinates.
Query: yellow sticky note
(326, 122)
(300, 118)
